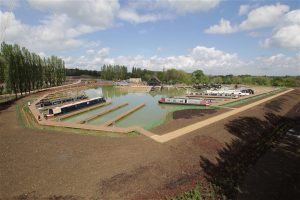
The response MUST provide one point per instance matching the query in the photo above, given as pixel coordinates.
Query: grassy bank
(253, 98)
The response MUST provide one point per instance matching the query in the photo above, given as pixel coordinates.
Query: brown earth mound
(190, 113)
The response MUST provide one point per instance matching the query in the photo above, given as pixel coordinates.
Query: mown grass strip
(251, 99)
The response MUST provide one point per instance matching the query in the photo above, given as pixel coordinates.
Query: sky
(257, 37)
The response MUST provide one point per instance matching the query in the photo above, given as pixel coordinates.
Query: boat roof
(78, 102)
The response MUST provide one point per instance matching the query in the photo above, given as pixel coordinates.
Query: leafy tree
(24, 71)
(114, 72)
(199, 77)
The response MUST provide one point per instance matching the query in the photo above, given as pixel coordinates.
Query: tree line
(79, 72)
(23, 71)
(174, 76)
(114, 72)
(278, 81)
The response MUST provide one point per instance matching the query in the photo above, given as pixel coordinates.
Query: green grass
(200, 193)
(6, 99)
(20, 119)
(251, 99)
(194, 194)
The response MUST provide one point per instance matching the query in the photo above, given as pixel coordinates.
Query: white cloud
(261, 17)
(244, 9)
(188, 6)
(278, 64)
(151, 11)
(211, 60)
(286, 25)
(265, 16)
(64, 23)
(132, 16)
(223, 27)
(89, 12)
(287, 33)
(55, 33)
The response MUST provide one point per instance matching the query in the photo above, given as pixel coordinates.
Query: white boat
(121, 83)
(185, 101)
(211, 95)
(228, 92)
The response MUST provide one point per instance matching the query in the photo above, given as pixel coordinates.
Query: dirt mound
(190, 113)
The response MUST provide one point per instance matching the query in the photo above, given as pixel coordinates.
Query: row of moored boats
(204, 98)
(193, 98)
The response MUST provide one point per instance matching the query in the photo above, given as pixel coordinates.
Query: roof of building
(154, 78)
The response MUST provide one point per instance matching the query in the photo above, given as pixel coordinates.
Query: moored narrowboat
(74, 106)
(211, 95)
(185, 101)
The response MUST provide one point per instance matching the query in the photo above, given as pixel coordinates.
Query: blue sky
(219, 37)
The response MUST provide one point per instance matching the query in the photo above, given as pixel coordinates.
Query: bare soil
(182, 118)
(37, 164)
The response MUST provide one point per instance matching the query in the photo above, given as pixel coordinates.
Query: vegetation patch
(203, 191)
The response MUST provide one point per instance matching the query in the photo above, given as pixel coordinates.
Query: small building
(154, 81)
(135, 80)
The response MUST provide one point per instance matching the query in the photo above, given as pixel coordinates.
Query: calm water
(152, 114)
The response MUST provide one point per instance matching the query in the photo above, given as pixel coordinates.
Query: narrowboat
(185, 101)
(228, 92)
(121, 83)
(74, 106)
(47, 102)
(211, 95)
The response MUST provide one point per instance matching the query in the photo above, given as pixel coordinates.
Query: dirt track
(49, 164)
